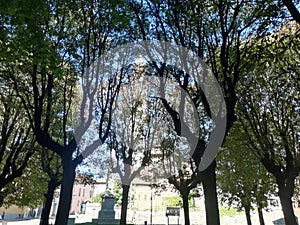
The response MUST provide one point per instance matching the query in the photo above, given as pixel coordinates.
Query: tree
(28, 189)
(17, 143)
(48, 45)
(135, 132)
(118, 193)
(30, 67)
(177, 163)
(178, 167)
(269, 109)
(243, 181)
(51, 165)
(216, 31)
(97, 198)
(292, 8)
(184, 182)
(142, 131)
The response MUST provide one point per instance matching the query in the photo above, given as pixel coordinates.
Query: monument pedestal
(106, 215)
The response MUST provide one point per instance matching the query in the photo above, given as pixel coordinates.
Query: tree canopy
(47, 49)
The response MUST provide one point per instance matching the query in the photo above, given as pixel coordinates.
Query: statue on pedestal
(107, 213)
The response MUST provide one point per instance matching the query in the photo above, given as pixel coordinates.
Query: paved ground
(20, 222)
(196, 218)
(23, 222)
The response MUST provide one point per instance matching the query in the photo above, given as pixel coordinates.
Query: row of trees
(47, 47)
(268, 123)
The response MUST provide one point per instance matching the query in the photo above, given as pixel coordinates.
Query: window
(79, 192)
(91, 194)
(83, 192)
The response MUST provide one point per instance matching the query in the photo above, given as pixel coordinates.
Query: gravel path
(197, 218)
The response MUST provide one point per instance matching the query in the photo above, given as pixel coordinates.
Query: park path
(195, 217)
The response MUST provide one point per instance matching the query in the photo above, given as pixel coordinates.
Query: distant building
(143, 196)
(83, 191)
(81, 194)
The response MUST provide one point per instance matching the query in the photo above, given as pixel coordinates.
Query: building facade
(83, 191)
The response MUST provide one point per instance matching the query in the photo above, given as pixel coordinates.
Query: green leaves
(97, 199)
(269, 94)
(118, 193)
(30, 188)
(241, 177)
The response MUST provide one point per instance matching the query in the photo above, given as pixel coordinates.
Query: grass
(224, 211)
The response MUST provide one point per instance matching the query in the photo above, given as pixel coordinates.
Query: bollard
(145, 222)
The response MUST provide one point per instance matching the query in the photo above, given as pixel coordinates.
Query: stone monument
(107, 213)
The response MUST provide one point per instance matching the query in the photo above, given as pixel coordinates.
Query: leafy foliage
(45, 46)
(97, 199)
(30, 188)
(118, 193)
(269, 109)
(242, 179)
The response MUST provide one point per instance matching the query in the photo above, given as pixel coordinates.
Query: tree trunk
(285, 196)
(248, 214)
(125, 193)
(66, 191)
(185, 201)
(208, 178)
(52, 184)
(261, 216)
